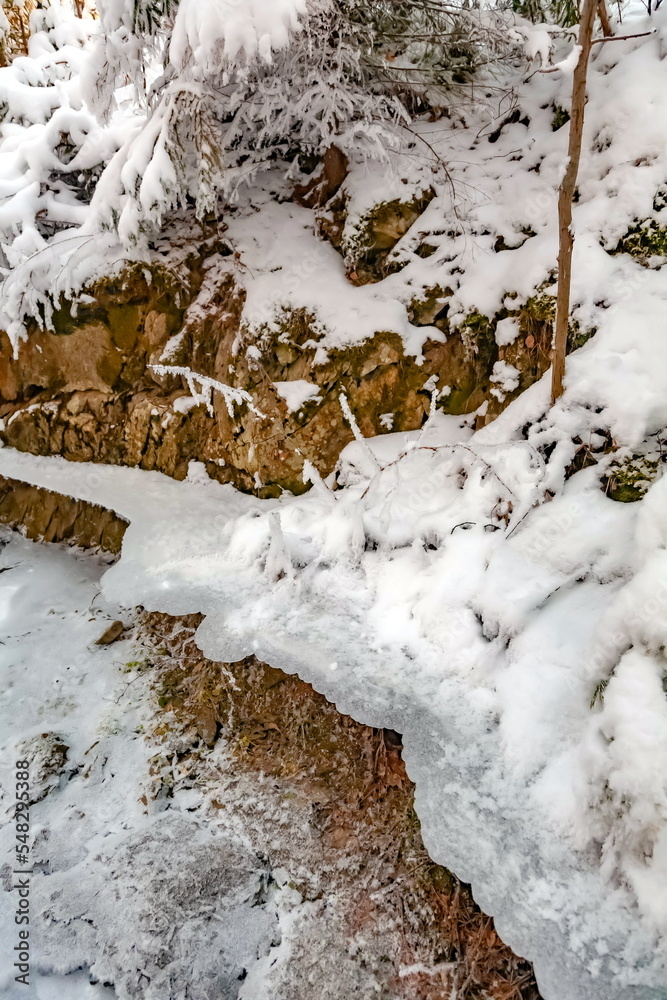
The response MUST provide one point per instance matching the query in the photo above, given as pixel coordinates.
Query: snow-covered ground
(467, 591)
(405, 598)
(163, 868)
(128, 887)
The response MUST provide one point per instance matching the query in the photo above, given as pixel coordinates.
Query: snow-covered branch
(201, 388)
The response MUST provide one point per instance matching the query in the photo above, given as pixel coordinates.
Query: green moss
(644, 240)
(290, 333)
(478, 326)
(628, 481)
(137, 280)
(472, 355)
(541, 308)
(109, 367)
(125, 323)
(560, 117)
(136, 666)
(367, 247)
(478, 333)
(121, 301)
(462, 398)
(66, 319)
(577, 337)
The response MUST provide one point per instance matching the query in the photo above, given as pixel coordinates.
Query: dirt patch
(363, 844)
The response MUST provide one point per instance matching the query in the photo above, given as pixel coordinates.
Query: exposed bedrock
(84, 390)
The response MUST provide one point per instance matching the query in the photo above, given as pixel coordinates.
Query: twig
(599, 41)
(622, 38)
(442, 163)
(354, 427)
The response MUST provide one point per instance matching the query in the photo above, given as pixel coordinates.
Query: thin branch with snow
(207, 386)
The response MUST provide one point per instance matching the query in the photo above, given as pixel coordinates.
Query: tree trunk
(566, 194)
(603, 14)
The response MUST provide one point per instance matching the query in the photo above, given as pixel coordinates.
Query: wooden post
(566, 194)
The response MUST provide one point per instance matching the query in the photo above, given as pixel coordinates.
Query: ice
(475, 641)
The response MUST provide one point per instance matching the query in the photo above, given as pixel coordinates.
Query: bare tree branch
(621, 38)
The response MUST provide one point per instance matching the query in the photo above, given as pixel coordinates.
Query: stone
(113, 632)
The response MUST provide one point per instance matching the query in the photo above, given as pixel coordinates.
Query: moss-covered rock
(430, 308)
(367, 244)
(85, 390)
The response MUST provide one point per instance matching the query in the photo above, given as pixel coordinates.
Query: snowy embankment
(406, 600)
(141, 883)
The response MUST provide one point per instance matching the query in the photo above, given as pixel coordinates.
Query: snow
(297, 393)
(481, 641)
(299, 271)
(154, 895)
(506, 378)
(202, 388)
(184, 404)
(248, 27)
(507, 331)
(466, 590)
(162, 868)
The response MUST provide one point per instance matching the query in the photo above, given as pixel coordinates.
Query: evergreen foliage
(241, 86)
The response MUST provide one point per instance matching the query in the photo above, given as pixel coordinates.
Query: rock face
(85, 390)
(52, 517)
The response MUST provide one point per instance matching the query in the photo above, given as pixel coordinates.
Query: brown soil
(351, 780)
